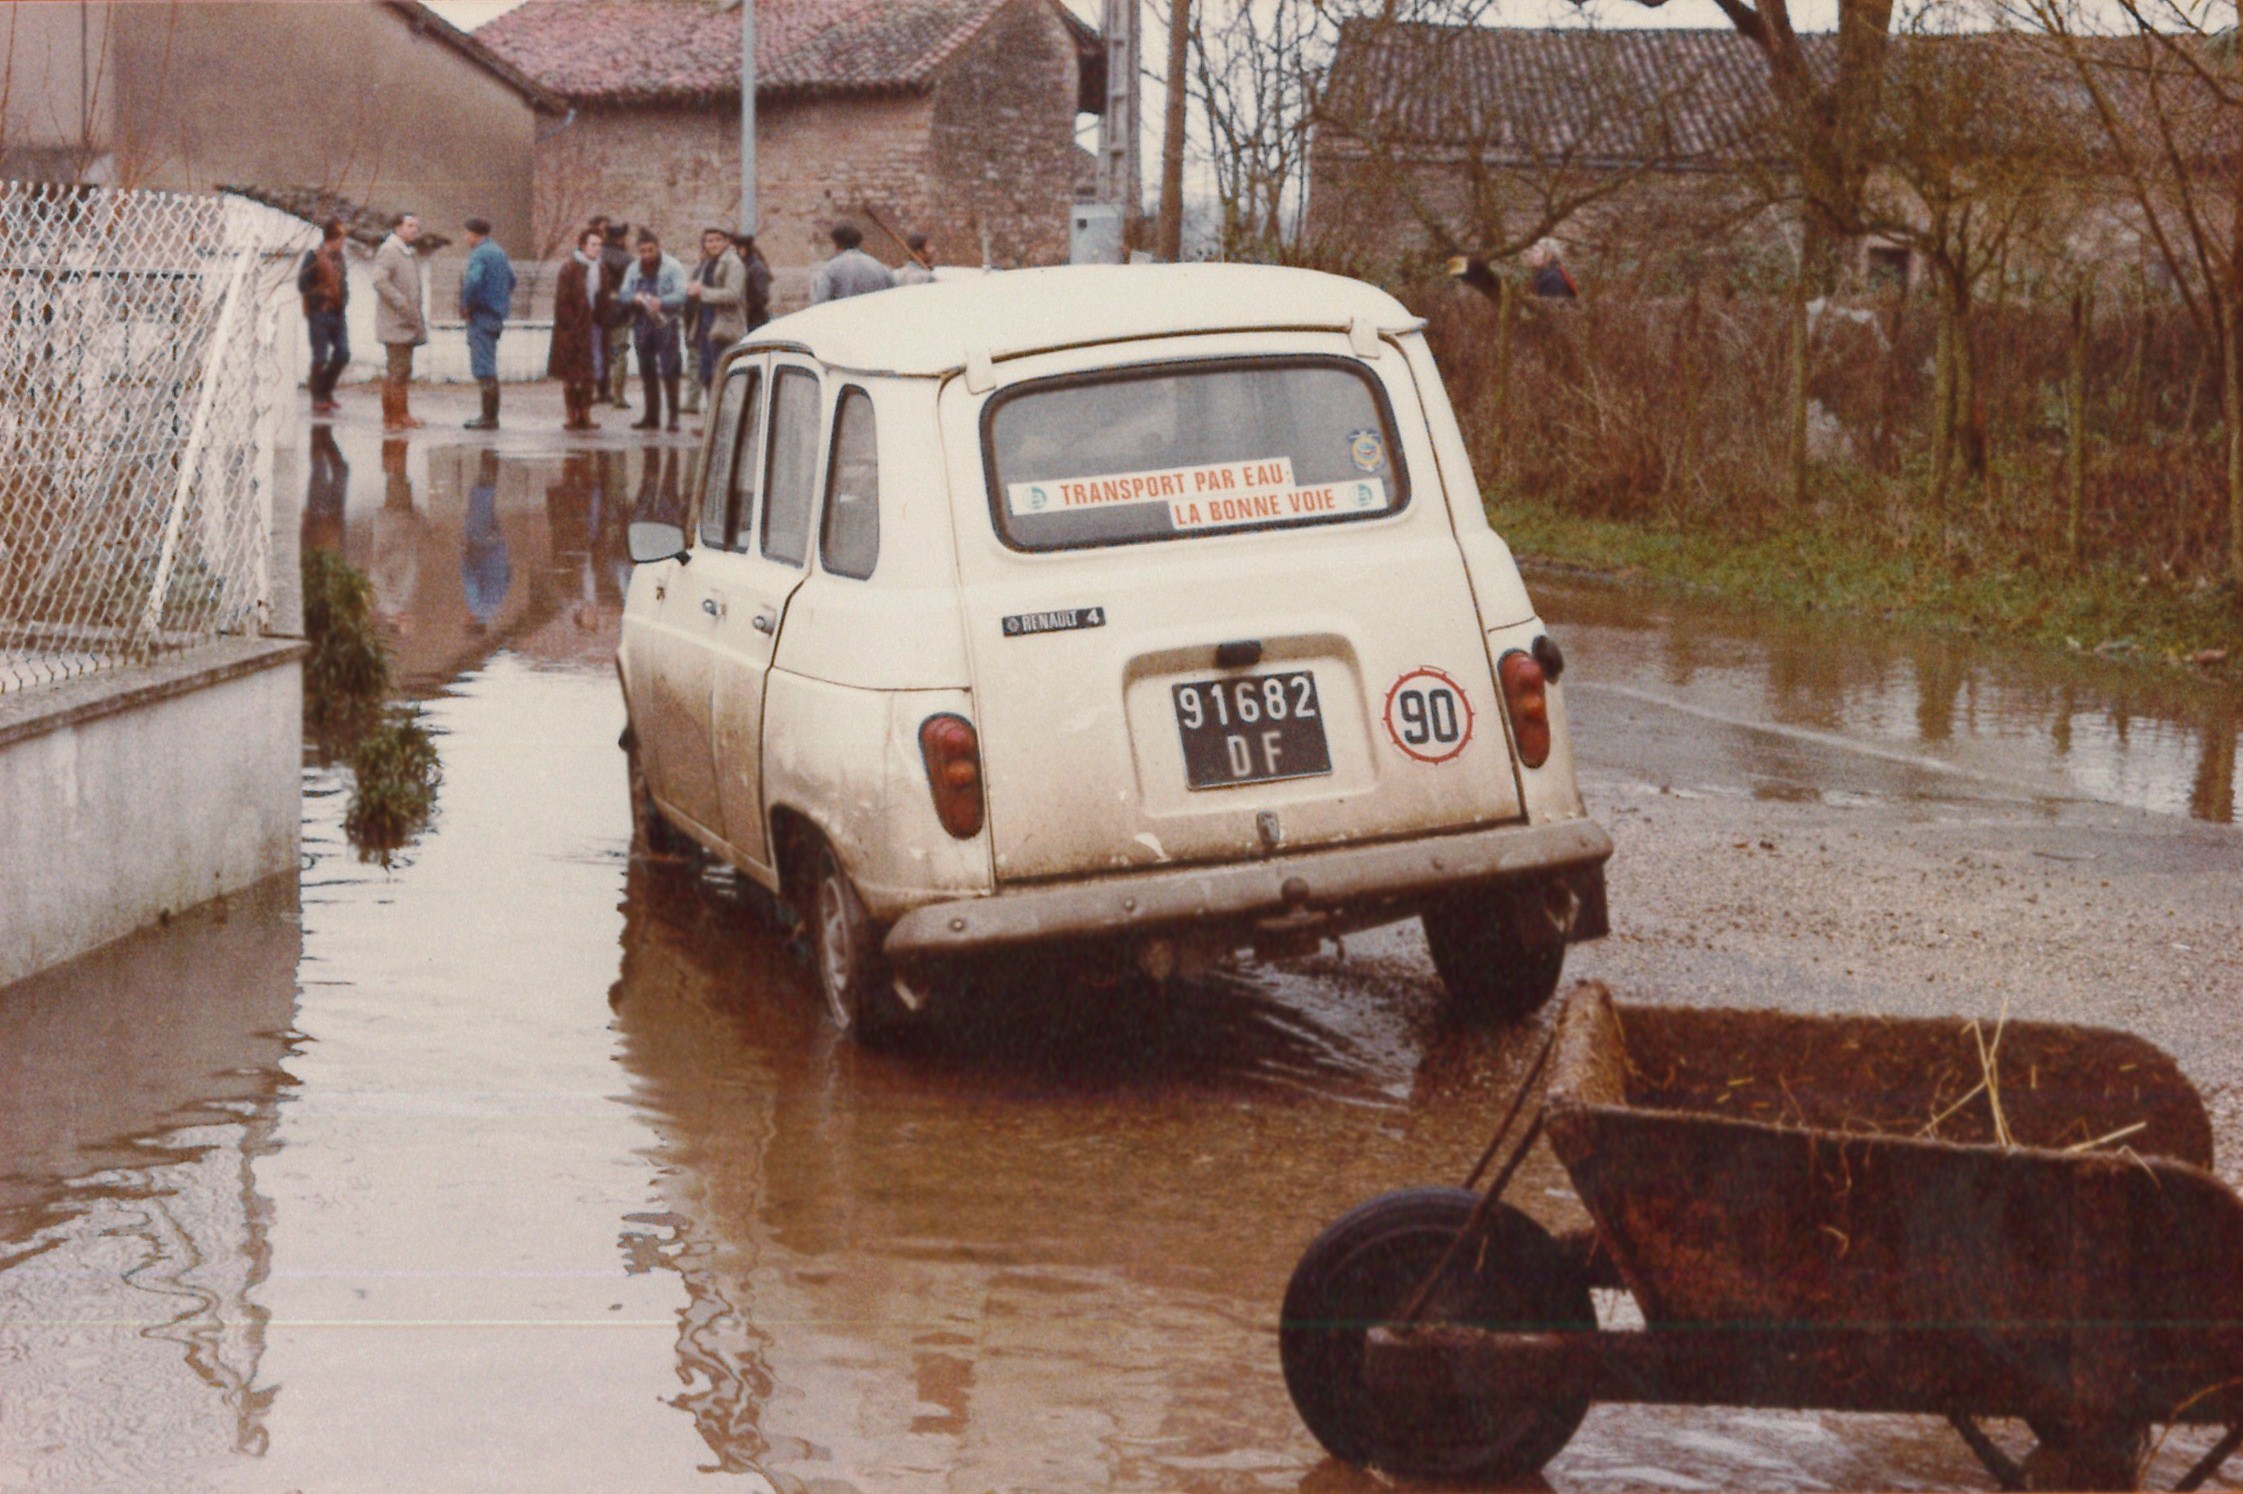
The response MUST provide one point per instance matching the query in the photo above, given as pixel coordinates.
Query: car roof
(947, 325)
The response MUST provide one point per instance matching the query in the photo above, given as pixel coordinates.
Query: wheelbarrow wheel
(1363, 1270)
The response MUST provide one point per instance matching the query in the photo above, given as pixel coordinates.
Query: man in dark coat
(324, 282)
(582, 305)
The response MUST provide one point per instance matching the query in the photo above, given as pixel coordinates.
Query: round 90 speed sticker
(1428, 715)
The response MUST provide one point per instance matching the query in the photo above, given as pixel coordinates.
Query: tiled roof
(1559, 94)
(361, 224)
(1703, 98)
(688, 51)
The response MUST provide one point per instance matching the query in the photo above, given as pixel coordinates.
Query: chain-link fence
(139, 398)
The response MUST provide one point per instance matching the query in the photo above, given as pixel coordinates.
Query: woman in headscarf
(581, 301)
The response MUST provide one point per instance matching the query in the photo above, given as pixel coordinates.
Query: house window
(1888, 267)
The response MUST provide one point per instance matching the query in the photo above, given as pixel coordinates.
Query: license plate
(1252, 728)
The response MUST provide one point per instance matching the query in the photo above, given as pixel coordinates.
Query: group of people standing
(614, 300)
(611, 300)
(400, 325)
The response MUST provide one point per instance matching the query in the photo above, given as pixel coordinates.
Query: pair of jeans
(330, 353)
(658, 350)
(482, 349)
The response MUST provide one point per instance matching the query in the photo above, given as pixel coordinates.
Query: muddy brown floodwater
(518, 1165)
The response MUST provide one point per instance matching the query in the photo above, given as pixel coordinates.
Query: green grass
(1808, 568)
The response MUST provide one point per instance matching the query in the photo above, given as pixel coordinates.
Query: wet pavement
(514, 1164)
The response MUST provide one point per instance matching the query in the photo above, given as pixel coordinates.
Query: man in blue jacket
(486, 296)
(655, 292)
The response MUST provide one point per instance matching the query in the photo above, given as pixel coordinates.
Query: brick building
(954, 118)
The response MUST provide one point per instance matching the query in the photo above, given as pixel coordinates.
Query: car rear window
(1163, 453)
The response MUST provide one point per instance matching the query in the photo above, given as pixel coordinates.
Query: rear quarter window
(1170, 451)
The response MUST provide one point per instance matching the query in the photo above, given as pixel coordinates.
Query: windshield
(1122, 457)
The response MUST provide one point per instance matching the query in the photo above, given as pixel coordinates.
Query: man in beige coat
(399, 325)
(716, 310)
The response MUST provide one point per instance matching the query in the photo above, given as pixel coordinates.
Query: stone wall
(990, 147)
(1370, 215)
(1004, 143)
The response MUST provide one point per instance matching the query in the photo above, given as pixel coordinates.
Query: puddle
(515, 1163)
(1823, 707)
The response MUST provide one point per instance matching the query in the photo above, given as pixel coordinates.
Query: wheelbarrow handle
(1526, 1087)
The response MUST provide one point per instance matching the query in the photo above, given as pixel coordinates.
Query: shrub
(397, 771)
(348, 671)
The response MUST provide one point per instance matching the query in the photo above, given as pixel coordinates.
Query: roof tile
(688, 51)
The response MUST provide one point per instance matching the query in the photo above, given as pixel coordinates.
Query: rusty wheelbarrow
(1958, 1219)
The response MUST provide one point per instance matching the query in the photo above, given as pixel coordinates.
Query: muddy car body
(1150, 610)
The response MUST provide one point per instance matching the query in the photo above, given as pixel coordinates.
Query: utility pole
(1172, 147)
(1121, 178)
(747, 117)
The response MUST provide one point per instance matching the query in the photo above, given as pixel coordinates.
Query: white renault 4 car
(1150, 612)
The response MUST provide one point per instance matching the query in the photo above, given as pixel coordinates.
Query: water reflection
(1941, 709)
(532, 540)
(1002, 1262)
(142, 1086)
(326, 491)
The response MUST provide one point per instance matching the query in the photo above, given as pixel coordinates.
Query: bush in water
(397, 772)
(348, 671)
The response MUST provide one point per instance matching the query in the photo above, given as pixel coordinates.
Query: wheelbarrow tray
(1819, 1212)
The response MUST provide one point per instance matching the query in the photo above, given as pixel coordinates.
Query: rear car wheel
(1363, 1270)
(853, 975)
(1490, 971)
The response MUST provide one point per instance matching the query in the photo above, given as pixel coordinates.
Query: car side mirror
(652, 540)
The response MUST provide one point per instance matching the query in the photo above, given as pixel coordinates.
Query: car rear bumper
(1336, 880)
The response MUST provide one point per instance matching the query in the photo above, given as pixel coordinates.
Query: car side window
(791, 475)
(849, 543)
(749, 462)
(717, 488)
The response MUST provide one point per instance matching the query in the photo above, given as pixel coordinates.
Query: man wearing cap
(486, 296)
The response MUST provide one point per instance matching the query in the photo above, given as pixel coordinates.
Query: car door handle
(766, 622)
(712, 606)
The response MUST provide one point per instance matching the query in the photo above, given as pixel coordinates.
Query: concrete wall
(144, 792)
(185, 97)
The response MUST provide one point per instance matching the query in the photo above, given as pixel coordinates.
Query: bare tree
(1968, 173)
(1828, 111)
(1254, 70)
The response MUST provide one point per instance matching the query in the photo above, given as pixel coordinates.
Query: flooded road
(514, 1164)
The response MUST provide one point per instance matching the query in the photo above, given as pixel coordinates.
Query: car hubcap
(833, 948)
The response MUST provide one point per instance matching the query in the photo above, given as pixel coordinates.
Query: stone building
(954, 118)
(1629, 145)
(383, 102)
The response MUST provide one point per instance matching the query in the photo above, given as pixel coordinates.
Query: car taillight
(952, 753)
(1526, 696)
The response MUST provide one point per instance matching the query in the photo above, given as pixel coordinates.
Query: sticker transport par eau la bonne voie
(1212, 495)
